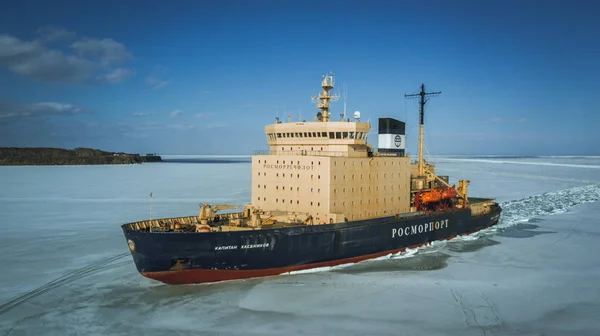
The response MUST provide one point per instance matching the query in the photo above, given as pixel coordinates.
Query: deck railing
(304, 152)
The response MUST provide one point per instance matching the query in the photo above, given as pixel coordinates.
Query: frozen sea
(65, 268)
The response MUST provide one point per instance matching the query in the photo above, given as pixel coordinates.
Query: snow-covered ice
(66, 269)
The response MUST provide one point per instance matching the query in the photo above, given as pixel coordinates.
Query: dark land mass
(15, 156)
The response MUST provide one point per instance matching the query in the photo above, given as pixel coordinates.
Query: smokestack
(391, 137)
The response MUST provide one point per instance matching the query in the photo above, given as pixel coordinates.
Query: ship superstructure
(324, 171)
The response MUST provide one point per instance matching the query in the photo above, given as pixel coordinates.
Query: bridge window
(351, 135)
(279, 135)
(331, 135)
(338, 135)
(345, 135)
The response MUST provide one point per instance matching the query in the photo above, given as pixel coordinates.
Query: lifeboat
(449, 193)
(431, 196)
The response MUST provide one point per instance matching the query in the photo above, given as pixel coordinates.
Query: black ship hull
(189, 257)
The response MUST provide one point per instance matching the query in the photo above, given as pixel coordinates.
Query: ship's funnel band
(391, 136)
(392, 141)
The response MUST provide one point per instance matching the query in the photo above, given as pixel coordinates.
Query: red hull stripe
(205, 275)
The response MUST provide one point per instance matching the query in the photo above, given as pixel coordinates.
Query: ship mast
(423, 95)
(325, 97)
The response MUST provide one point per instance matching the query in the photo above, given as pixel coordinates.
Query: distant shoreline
(49, 156)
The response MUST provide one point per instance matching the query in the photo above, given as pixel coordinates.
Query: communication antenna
(325, 97)
(345, 98)
(423, 96)
(150, 206)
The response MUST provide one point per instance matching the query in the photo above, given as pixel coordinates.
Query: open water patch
(419, 262)
(470, 245)
(522, 230)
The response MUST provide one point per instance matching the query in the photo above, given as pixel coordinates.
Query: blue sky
(205, 77)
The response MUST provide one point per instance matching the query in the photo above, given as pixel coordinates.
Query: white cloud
(175, 113)
(144, 114)
(156, 83)
(107, 51)
(43, 109)
(116, 76)
(33, 59)
(183, 127)
(54, 34)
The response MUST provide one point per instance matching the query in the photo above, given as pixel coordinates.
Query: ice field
(66, 268)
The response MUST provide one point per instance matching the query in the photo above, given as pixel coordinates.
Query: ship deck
(478, 206)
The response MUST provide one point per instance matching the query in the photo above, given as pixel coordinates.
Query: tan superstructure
(327, 171)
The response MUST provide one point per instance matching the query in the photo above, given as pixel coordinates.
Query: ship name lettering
(419, 228)
(288, 166)
(230, 247)
(251, 246)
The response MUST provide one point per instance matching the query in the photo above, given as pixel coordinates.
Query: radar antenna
(325, 97)
(423, 95)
